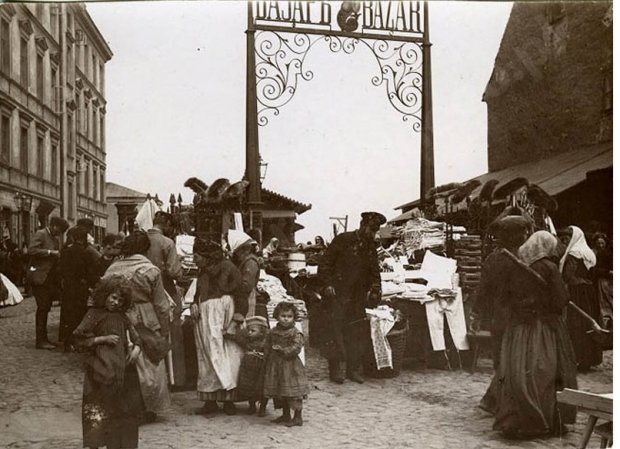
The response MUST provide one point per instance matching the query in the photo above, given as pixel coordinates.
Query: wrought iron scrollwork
(280, 65)
(401, 71)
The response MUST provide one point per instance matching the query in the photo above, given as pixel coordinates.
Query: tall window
(23, 149)
(101, 131)
(71, 195)
(70, 135)
(40, 156)
(70, 65)
(55, 17)
(23, 62)
(95, 182)
(55, 90)
(5, 139)
(93, 69)
(102, 186)
(40, 75)
(78, 176)
(93, 123)
(5, 47)
(101, 86)
(87, 177)
(54, 162)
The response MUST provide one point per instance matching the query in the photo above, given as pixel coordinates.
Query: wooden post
(427, 162)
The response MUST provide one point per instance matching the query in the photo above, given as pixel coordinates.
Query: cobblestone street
(40, 397)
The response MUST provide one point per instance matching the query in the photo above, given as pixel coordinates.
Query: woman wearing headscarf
(536, 358)
(243, 251)
(271, 248)
(510, 232)
(214, 310)
(575, 266)
(150, 315)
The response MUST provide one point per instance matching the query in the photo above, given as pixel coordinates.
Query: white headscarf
(541, 244)
(578, 248)
(236, 239)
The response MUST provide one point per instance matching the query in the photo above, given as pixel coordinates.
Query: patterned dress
(112, 400)
(285, 376)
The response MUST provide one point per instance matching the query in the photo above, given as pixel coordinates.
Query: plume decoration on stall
(197, 185)
(510, 188)
(486, 193)
(464, 191)
(539, 198)
(215, 192)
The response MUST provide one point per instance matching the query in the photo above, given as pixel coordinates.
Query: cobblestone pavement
(40, 394)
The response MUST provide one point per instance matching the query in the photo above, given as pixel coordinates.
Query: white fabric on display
(146, 214)
(453, 311)
(381, 322)
(14, 297)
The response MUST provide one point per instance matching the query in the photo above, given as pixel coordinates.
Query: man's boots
(355, 375)
(335, 373)
(41, 331)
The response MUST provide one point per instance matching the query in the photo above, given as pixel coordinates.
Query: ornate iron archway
(280, 36)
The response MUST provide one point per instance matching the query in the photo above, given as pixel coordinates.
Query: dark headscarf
(510, 229)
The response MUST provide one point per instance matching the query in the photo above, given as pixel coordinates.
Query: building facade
(52, 117)
(551, 86)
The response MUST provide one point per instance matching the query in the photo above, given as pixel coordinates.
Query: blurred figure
(110, 250)
(78, 275)
(575, 266)
(271, 248)
(603, 278)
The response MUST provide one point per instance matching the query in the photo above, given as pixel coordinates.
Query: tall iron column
(252, 157)
(427, 163)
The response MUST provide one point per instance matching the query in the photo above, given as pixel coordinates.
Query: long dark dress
(252, 369)
(112, 401)
(78, 274)
(285, 375)
(536, 357)
(583, 294)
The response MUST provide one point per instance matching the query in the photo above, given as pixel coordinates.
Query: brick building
(52, 117)
(551, 87)
(550, 110)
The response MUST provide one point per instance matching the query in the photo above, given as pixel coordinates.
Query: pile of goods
(420, 234)
(273, 287)
(468, 255)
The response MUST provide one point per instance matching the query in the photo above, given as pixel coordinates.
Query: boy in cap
(44, 250)
(350, 272)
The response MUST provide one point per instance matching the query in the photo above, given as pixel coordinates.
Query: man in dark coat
(44, 250)
(88, 225)
(350, 272)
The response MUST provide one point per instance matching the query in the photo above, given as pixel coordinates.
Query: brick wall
(546, 91)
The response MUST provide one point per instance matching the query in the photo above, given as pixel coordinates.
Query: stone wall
(546, 93)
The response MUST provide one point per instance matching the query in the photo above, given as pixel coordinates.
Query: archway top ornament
(286, 31)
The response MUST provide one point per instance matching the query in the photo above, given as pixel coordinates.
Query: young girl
(112, 402)
(251, 372)
(285, 376)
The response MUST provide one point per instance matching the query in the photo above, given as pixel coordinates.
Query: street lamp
(23, 203)
(263, 169)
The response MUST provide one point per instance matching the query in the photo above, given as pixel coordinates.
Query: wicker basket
(398, 340)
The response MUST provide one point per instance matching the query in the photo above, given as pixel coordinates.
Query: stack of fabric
(468, 254)
(277, 293)
(185, 250)
(421, 233)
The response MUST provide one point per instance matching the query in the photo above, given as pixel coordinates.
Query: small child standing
(251, 372)
(112, 401)
(285, 375)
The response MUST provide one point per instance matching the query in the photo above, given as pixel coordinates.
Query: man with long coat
(44, 250)
(350, 272)
(163, 254)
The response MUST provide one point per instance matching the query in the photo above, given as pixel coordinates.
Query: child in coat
(250, 381)
(112, 401)
(285, 375)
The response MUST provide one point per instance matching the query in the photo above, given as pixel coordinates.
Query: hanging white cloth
(146, 214)
(14, 296)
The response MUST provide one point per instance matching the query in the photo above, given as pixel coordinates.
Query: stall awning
(554, 175)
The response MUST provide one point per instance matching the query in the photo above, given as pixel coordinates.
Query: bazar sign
(349, 16)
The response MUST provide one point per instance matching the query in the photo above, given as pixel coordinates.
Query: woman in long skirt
(575, 267)
(536, 358)
(214, 311)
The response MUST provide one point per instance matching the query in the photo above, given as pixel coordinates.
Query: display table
(595, 406)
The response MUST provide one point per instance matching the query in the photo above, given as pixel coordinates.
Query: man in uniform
(44, 250)
(163, 254)
(349, 271)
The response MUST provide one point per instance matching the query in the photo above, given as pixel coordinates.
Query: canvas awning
(554, 174)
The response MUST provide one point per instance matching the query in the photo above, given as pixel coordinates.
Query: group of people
(120, 305)
(531, 288)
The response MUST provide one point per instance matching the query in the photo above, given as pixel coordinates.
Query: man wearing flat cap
(44, 250)
(349, 271)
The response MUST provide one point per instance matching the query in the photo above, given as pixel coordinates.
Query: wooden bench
(596, 406)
